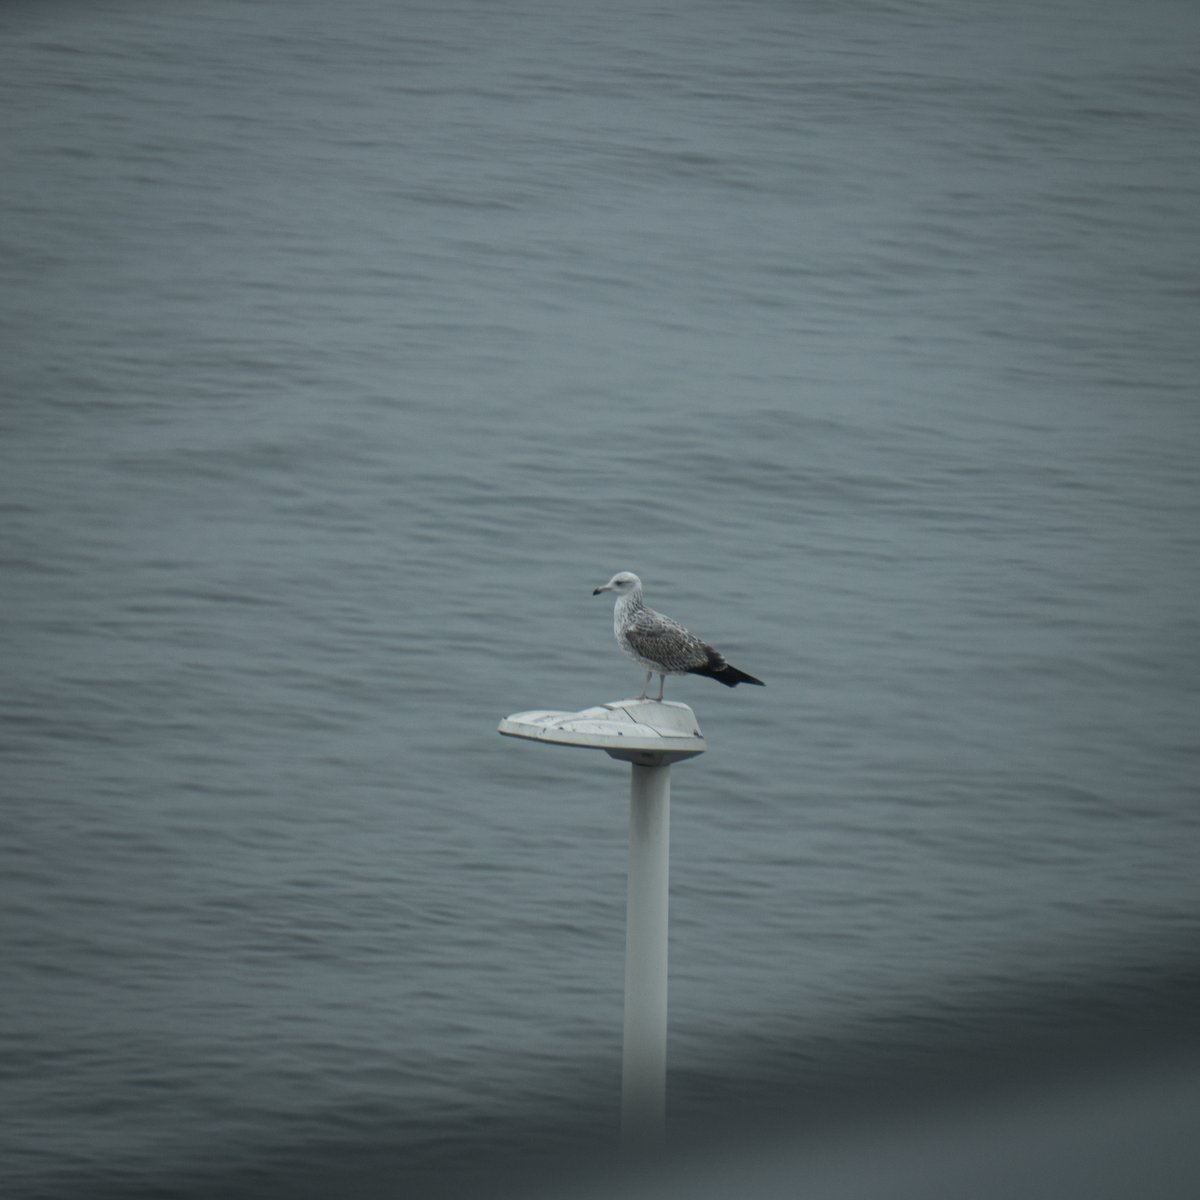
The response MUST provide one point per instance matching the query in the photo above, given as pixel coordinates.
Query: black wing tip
(742, 677)
(729, 676)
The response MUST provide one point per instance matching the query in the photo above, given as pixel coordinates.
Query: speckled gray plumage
(662, 645)
(656, 641)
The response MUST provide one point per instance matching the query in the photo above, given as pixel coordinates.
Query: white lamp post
(650, 735)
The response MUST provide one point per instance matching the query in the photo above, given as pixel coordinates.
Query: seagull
(660, 644)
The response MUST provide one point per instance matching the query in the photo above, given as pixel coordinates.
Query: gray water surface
(347, 348)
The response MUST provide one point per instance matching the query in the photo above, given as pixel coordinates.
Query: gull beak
(597, 591)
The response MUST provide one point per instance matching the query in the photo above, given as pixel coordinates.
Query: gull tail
(717, 668)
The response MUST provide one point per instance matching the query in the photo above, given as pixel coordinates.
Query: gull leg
(649, 676)
(662, 683)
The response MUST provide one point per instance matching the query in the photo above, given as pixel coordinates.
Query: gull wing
(664, 641)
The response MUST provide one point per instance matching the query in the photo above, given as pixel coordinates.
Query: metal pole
(644, 1066)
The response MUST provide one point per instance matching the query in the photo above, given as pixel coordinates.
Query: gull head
(623, 582)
